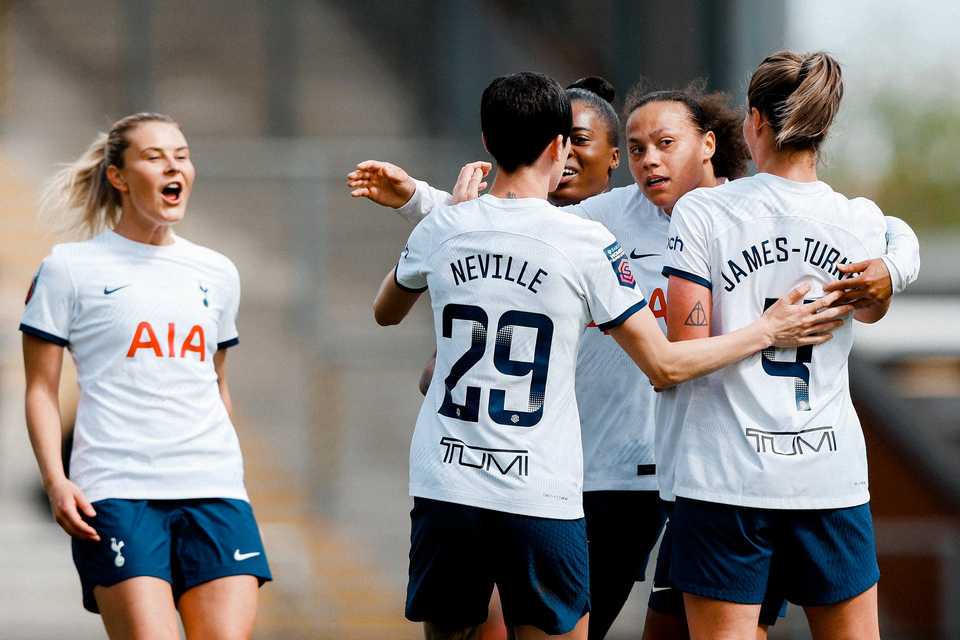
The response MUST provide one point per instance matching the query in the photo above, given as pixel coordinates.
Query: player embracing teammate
(496, 461)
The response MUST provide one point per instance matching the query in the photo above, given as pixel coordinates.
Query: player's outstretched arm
(391, 186)
(784, 324)
(392, 303)
(384, 183)
(43, 361)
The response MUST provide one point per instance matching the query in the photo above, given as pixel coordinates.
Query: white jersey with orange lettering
(513, 284)
(142, 324)
(777, 429)
(617, 402)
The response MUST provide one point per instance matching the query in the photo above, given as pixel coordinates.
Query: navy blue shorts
(185, 542)
(458, 552)
(812, 557)
(622, 529)
(666, 598)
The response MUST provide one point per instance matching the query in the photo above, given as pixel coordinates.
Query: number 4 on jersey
(797, 369)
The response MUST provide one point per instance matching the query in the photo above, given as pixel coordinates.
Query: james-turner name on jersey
(497, 267)
(810, 250)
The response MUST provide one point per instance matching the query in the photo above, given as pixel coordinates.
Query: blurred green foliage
(921, 182)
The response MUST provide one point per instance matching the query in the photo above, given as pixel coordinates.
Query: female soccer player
(677, 141)
(771, 473)
(510, 418)
(155, 500)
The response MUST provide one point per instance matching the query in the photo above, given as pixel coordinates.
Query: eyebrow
(653, 134)
(581, 129)
(161, 149)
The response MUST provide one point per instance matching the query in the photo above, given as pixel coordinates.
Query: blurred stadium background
(281, 98)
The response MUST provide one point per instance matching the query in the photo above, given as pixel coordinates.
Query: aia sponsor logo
(146, 338)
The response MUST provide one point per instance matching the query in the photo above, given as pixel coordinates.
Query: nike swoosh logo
(107, 291)
(655, 589)
(637, 256)
(243, 556)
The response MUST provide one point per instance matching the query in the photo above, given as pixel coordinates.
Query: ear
(558, 149)
(756, 120)
(614, 159)
(115, 176)
(709, 142)
(484, 138)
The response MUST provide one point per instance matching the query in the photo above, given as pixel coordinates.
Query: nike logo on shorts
(655, 589)
(243, 556)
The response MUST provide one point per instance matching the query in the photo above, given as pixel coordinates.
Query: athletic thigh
(138, 608)
(855, 617)
(220, 609)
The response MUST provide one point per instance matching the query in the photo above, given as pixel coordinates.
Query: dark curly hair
(708, 112)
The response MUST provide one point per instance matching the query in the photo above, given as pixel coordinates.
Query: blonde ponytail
(79, 200)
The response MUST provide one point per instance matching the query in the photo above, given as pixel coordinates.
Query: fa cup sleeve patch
(621, 266)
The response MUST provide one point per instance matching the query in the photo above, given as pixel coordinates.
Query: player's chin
(659, 197)
(567, 193)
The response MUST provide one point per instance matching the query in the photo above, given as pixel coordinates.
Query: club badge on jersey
(621, 266)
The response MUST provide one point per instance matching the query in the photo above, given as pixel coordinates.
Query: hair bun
(597, 85)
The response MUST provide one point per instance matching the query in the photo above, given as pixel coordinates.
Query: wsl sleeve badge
(621, 266)
(33, 286)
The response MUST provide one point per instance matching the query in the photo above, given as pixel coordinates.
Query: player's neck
(798, 166)
(525, 182)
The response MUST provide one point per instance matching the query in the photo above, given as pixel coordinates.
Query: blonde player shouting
(771, 471)
(495, 461)
(155, 501)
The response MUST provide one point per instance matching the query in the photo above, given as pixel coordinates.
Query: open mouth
(655, 181)
(171, 192)
(568, 174)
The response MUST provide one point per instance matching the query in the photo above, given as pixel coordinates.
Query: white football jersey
(777, 429)
(143, 323)
(617, 402)
(513, 284)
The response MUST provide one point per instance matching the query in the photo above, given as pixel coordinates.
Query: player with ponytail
(155, 500)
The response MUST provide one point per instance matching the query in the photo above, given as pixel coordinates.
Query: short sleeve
(51, 301)
(611, 290)
(227, 334)
(410, 274)
(686, 253)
